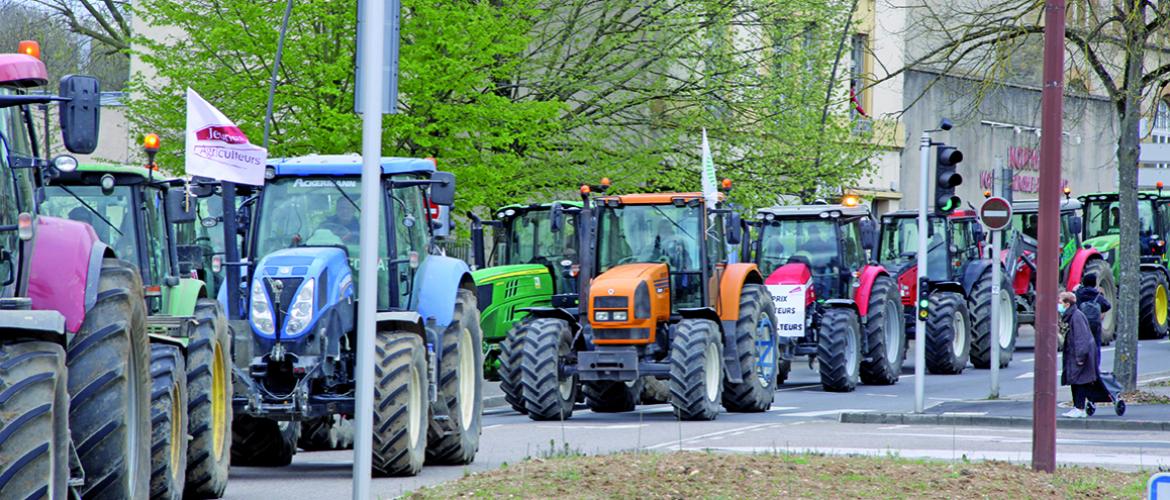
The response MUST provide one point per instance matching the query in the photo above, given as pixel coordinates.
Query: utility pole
(1044, 385)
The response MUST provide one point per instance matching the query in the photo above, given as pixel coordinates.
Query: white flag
(216, 148)
(709, 184)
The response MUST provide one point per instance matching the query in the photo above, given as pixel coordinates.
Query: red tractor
(832, 303)
(958, 322)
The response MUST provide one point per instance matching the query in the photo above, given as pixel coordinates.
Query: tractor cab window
(529, 239)
(410, 236)
(812, 242)
(655, 233)
(14, 134)
(899, 245)
(156, 235)
(1104, 218)
(15, 186)
(717, 238)
(852, 251)
(111, 216)
(1028, 223)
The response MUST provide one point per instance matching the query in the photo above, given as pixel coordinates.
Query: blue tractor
(299, 303)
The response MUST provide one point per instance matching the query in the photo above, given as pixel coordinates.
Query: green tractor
(1102, 230)
(135, 211)
(532, 264)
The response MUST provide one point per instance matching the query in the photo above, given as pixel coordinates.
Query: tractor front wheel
(755, 340)
(885, 334)
(460, 386)
(549, 394)
(980, 307)
(168, 416)
(839, 350)
(400, 404)
(34, 423)
(696, 370)
(1153, 309)
(948, 345)
(510, 360)
(209, 403)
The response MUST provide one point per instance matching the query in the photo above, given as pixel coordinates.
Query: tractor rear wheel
(608, 396)
(168, 418)
(885, 334)
(548, 393)
(1153, 309)
(460, 386)
(263, 442)
(696, 370)
(34, 425)
(948, 344)
(980, 307)
(331, 432)
(755, 341)
(1108, 290)
(109, 383)
(839, 350)
(510, 359)
(400, 404)
(209, 403)
(654, 391)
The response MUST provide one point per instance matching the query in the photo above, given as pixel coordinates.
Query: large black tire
(1109, 290)
(784, 367)
(755, 341)
(608, 396)
(34, 420)
(839, 350)
(400, 404)
(548, 395)
(980, 307)
(168, 421)
(654, 391)
(885, 334)
(109, 386)
(696, 370)
(460, 386)
(948, 341)
(1153, 321)
(509, 371)
(331, 432)
(209, 405)
(263, 442)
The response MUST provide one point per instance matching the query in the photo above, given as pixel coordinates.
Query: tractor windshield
(1103, 218)
(15, 187)
(655, 233)
(899, 244)
(812, 241)
(110, 215)
(528, 238)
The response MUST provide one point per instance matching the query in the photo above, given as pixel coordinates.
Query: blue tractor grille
(287, 293)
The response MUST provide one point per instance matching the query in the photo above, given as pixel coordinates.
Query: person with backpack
(1093, 304)
(1080, 356)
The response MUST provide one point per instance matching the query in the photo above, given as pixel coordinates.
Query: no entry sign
(995, 213)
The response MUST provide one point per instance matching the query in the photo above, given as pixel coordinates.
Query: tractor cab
(829, 239)
(1102, 224)
(953, 241)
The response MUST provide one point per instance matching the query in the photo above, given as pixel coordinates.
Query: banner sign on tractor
(216, 148)
(789, 300)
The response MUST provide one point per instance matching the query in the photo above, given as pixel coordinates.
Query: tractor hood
(1104, 244)
(627, 302)
(490, 275)
(295, 287)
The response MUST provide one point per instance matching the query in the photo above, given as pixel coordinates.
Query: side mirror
(80, 113)
(180, 207)
(978, 232)
(556, 218)
(1076, 224)
(443, 191)
(734, 229)
(209, 222)
(868, 235)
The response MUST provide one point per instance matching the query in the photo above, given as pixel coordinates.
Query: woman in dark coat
(1080, 353)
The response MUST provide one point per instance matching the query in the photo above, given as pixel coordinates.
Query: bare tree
(105, 21)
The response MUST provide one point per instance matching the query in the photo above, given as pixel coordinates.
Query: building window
(1160, 134)
(857, 76)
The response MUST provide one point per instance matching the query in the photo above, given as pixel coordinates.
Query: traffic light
(947, 176)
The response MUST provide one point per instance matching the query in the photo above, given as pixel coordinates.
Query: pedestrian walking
(1093, 303)
(1080, 353)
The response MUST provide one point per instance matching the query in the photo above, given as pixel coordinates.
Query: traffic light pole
(919, 316)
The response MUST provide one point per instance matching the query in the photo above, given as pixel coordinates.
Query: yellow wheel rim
(177, 435)
(219, 381)
(1160, 303)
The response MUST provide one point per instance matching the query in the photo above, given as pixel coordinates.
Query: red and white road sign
(995, 213)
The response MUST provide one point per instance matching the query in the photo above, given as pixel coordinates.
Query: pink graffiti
(1021, 183)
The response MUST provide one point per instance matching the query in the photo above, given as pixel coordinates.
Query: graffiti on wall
(1024, 163)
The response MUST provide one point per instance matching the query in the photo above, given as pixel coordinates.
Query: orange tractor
(663, 300)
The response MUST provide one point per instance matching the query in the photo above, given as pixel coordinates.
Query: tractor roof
(958, 214)
(540, 206)
(347, 165)
(90, 174)
(797, 211)
(20, 70)
(1142, 195)
(652, 198)
(1032, 206)
(108, 168)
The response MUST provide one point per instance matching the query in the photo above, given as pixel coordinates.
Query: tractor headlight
(600, 315)
(261, 309)
(621, 315)
(300, 314)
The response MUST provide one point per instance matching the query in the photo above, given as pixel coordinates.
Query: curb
(992, 421)
(494, 402)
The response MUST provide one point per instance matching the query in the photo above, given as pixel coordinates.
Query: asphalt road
(802, 418)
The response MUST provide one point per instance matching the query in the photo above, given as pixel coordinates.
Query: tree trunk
(1128, 255)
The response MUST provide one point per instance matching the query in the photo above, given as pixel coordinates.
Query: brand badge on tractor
(610, 291)
(536, 282)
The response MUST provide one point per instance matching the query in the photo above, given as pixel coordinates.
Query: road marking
(965, 413)
(677, 442)
(882, 395)
(1164, 342)
(892, 427)
(1027, 375)
(493, 426)
(1028, 360)
(797, 388)
(602, 427)
(782, 408)
(821, 413)
(947, 399)
(1107, 349)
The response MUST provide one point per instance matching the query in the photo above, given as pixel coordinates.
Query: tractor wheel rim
(1160, 303)
(565, 387)
(1108, 318)
(851, 352)
(177, 435)
(134, 461)
(466, 374)
(959, 333)
(414, 404)
(219, 381)
(711, 371)
(1005, 320)
(892, 334)
(765, 351)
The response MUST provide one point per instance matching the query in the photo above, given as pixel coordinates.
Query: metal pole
(1044, 386)
(275, 70)
(919, 324)
(996, 243)
(373, 12)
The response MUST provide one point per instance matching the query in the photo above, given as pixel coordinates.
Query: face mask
(1061, 308)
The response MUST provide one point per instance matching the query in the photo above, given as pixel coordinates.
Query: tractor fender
(183, 297)
(65, 269)
(972, 272)
(400, 321)
(865, 281)
(841, 304)
(1155, 268)
(554, 313)
(735, 276)
(1076, 268)
(794, 273)
(38, 325)
(437, 284)
(731, 367)
(948, 286)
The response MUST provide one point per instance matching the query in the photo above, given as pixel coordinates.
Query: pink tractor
(75, 381)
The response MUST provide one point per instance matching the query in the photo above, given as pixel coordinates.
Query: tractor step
(171, 326)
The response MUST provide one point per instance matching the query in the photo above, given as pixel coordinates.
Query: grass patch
(780, 475)
(1145, 398)
(1159, 383)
